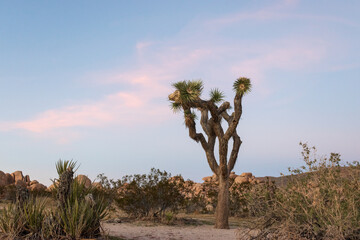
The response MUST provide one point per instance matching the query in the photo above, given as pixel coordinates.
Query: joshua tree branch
(198, 137)
(234, 152)
(226, 116)
(223, 107)
(236, 117)
(204, 121)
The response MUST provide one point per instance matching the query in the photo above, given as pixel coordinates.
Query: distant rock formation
(18, 179)
(83, 180)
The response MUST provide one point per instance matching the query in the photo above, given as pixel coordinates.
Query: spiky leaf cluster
(242, 85)
(188, 91)
(216, 95)
(62, 166)
(176, 107)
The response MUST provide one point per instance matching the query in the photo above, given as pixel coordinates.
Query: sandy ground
(161, 232)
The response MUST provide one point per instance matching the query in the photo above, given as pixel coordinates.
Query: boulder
(258, 181)
(37, 187)
(246, 174)
(97, 185)
(84, 180)
(27, 179)
(232, 175)
(207, 179)
(3, 179)
(241, 180)
(214, 178)
(10, 179)
(33, 182)
(18, 175)
(50, 188)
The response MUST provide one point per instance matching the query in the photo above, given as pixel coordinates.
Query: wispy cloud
(160, 63)
(280, 10)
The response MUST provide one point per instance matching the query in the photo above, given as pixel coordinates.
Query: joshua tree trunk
(222, 208)
(187, 98)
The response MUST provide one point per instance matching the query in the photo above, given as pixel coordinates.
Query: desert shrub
(194, 198)
(320, 201)
(108, 188)
(245, 199)
(252, 199)
(210, 195)
(150, 195)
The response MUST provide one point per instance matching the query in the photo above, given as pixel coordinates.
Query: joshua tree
(186, 98)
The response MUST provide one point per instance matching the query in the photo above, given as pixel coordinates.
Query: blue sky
(88, 81)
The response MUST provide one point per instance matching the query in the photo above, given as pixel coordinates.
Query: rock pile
(245, 177)
(18, 179)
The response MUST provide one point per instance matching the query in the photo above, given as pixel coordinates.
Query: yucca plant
(187, 98)
(33, 212)
(79, 213)
(11, 221)
(61, 166)
(81, 218)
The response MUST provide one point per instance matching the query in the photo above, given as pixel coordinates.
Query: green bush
(151, 195)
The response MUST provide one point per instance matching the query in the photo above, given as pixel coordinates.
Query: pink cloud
(152, 80)
(148, 81)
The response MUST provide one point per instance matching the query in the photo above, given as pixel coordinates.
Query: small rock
(209, 208)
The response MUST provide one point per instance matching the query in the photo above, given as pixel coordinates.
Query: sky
(88, 81)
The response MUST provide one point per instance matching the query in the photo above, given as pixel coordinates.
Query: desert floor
(163, 232)
(188, 227)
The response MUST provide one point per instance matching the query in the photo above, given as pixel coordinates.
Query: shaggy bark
(64, 187)
(222, 208)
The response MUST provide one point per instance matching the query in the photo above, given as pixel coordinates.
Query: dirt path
(160, 232)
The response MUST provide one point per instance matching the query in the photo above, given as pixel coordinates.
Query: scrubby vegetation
(77, 213)
(321, 201)
(151, 195)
